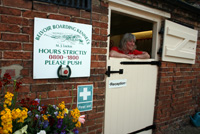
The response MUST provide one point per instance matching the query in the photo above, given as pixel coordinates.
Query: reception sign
(61, 43)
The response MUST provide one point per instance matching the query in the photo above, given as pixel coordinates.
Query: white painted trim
(141, 8)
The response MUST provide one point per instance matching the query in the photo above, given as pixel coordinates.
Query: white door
(130, 97)
(130, 108)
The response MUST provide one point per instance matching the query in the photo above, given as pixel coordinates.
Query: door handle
(108, 72)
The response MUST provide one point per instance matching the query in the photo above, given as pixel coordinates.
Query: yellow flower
(75, 113)
(6, 120)
(60, 115)
(16, 113)
(61, 105)
(45, 117)
(66, 111)
(24, 115)
(78, 124)
(8, 99)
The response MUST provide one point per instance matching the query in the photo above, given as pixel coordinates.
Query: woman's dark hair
(125, 38)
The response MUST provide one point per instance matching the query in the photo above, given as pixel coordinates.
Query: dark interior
(123, 23)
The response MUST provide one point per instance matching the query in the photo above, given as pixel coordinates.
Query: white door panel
(130, 108)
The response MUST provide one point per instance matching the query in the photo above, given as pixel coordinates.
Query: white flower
(81, 119)
(22, 130)
(42, 132)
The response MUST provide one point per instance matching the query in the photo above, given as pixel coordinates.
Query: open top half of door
(179, 43)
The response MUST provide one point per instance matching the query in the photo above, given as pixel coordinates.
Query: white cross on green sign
(85, 97)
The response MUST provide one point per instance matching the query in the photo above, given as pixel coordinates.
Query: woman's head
(128, 42)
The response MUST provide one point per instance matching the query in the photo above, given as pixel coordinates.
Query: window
(126, 16)
(123, 23)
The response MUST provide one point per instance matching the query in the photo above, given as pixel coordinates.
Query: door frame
(137, 10)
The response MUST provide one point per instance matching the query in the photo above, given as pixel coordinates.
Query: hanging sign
(85, 97)
(61, 43)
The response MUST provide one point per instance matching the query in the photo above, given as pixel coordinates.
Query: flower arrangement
(30, 116)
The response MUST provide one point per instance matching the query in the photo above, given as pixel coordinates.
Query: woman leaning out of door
(127, 49)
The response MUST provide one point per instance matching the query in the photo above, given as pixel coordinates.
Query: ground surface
(189, 129)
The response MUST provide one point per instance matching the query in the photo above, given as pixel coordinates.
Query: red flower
(44, 109)
(17, 86)
(7, 76)
(0, 84)
(34, 103)
(25, 102)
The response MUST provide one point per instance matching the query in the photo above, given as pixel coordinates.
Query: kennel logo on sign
(84, 97)
(61, 43)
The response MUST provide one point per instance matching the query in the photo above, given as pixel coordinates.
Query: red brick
(45, 7)
(25, 72)
(27, 22)
(99, 50)
(58, 93)
(104, 4)
(98, 71)
(24, 89)
(98, 64)
(32, 14)
(42, 95)
(10, 46)
(100, 9)
(15, 37)
(95, 116)
(59, 17)
(42, 88)
(98, 57)
(69, 11)
(28, 47)
(99, 37)
(78, 20)
(104, 18)
(0, 58)
(85, 14)
(17, 55)
(96, 30)
(27, 63)
(11, 20)
(99, 91)
(27, 30)
(9, 28)
(10, 11)
(103, 31)
(66, 100)
(10, 62)
(103, 44)
(97, 78)
(95, 16)
(18, 3)
(99, 84)
(99, 103)
(41, 81)
(91, 128)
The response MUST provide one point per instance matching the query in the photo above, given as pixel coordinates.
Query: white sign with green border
(61, 43)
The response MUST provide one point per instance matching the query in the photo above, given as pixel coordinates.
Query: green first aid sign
(85, 97)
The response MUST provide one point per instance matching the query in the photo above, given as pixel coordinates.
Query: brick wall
(16, 48)
(177, 87)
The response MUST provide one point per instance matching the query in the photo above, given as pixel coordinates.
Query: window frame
(143, 12)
